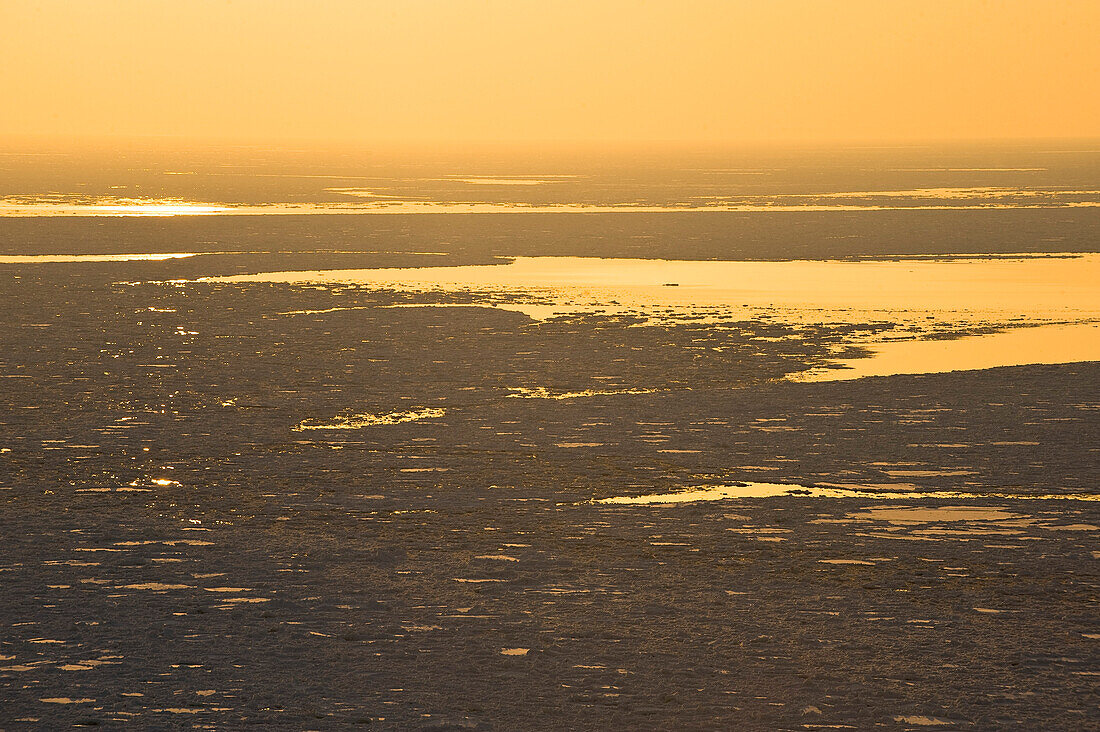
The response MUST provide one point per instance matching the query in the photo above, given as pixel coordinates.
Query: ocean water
(923, 241)
(1050, 303)
(806, 427)
(161, 181)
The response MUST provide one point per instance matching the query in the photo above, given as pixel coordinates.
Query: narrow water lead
(1048, 344)
(793, 490)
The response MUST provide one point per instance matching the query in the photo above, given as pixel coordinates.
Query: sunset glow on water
(501, 365)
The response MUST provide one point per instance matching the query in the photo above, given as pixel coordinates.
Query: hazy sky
(709, 71)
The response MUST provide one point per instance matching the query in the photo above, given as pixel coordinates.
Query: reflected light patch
(77, 205)
(792, 490)
(502, 181)
(919, 296)
(155, 209)
(74, 258)
(1048, 344)
(359, 421)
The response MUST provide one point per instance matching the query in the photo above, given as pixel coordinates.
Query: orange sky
(694, 71)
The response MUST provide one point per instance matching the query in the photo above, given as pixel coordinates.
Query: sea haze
(250, 180)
